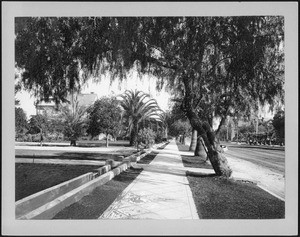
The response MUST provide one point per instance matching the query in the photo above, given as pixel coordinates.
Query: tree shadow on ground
(148, 158)
(163, 146)
(199, 174)
(195, 162)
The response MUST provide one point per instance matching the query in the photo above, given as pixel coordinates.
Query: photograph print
(173, 118)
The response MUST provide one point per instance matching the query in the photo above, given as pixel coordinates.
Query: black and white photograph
(161, 118)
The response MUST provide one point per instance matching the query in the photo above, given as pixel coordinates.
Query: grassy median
(220, 198)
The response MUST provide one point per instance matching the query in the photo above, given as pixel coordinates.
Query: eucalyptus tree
(138, 108)
(219, 63)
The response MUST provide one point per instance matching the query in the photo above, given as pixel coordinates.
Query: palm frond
(138, 107)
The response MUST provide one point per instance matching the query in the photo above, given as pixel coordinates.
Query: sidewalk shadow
(181, 171)
(174, 152)
(199, 174)
(163, 146)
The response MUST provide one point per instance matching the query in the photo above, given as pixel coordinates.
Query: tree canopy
(180, 127)
(224, 59)
(105, 117)
(46, 49)
(39, 124)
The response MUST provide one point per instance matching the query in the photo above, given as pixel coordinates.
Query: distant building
(87, 99)
(43, 107)
(52, 109)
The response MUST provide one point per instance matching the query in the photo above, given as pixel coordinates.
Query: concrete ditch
(47, 203)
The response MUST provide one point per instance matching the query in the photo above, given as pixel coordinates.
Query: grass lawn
(102, 143)
(219, 198)
(94, 204)
(32, 178)
(73, 155)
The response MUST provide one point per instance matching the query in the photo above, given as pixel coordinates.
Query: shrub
(36, 137)
(24, 138)
(84, 138)
(28, 138)
(160, 137)
(51, 137)
(60, 137)
(146, 136)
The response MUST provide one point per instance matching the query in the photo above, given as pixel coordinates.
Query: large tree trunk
(194, 140)
(133, 137)
(183, 139)
(214, 152)
(190, 103)
(201, 150)
(73, 142)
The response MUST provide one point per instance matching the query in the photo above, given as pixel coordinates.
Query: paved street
(273, 159)
(264, 166)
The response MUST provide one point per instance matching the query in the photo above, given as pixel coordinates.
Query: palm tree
(139, 111)
(73, 118)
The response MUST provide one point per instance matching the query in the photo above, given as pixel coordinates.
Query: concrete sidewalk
(161, 191)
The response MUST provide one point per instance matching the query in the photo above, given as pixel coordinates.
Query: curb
(244, 179)
(270, 192)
